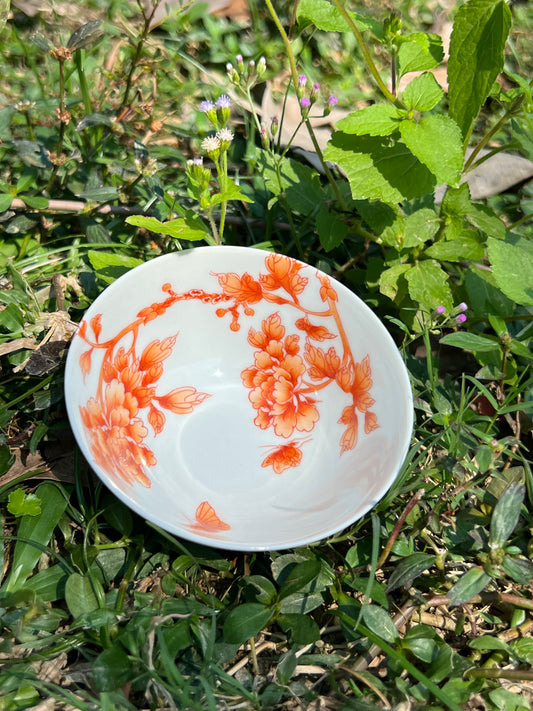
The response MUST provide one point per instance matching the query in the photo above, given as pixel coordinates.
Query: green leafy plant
(110, 156)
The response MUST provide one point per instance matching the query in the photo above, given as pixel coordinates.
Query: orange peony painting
(287, 373)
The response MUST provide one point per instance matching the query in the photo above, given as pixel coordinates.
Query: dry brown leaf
(56, 464)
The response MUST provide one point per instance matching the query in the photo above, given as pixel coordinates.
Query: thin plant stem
(294, 75)
(327, 171)
(84, 87)
(469, 163)
(398, 527)
(489, 673)
(367, 57)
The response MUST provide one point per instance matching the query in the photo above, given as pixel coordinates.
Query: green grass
(426, 601)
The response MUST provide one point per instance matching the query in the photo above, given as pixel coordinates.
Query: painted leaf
(156, 351)
(96, 325)
(85, 362)
(283, 273)
(157, 419)
(349, 436)
(284, 457)
(243, 289)
(322, 364)
(371, 422)
(317, 333)
(182, 401)
(207, 518)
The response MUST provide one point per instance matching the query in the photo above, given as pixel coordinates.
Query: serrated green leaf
(471, 342)
(325, 16)
(246, 621)
(375, 120)
(379, 168)
(476, 58)
(80, 594)
(512, 268)
(331, 229)
(468, 586)
(408, 569)
(506, 514)
(456, 250)
(428, 285)
(422, 93)
(485, 220)
(392, 280)
(379, 622)
(420, 227)
(484, 296)
(231, 192)
(20, 503)
(419, 51)
(456, 201)
(424, 136)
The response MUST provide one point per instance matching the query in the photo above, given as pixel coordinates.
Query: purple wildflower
(302, 80)
(462, 306)
(440, 310)
(223, 102)
(206, 106)
(332, 101)
(460, 319)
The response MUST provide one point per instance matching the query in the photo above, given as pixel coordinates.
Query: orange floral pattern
(278, 392)
(127, 385)
(288, 370)
(284, 457)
